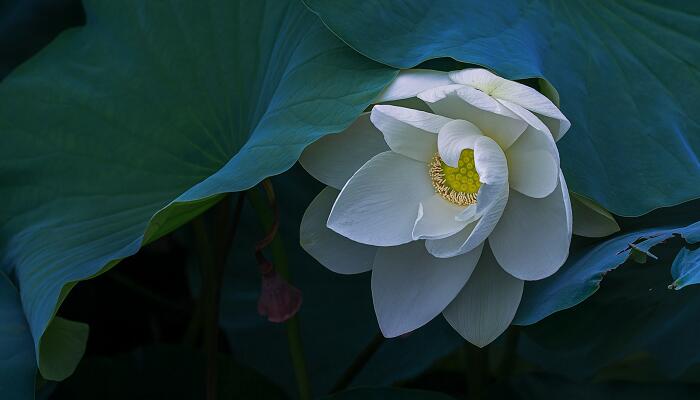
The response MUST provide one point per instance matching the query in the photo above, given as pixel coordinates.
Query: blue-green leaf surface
(634, 324)
(626, 71)
(580, 277)
(686, 268)
(62, 347)
(633, 327)
(17, 365)
(120, 131)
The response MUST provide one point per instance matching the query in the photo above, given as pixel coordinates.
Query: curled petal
(438, 218)
(517, 93)
(490, 162)
(526, 116)
(492, 200)
(469, 104)
(536, 102)
(454, 137)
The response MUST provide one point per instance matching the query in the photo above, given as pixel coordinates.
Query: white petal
(534, 101)
(409, 132)
(410, 287)
(533, 167)
(437, 218)
(478, 78)
(532, 239)
(469, 104)
(490, 162)
(453, 245)
(567, 204)
(487, 304)
(335, 252)
(491, 201)
(526, 116)
(410, 82)
(517, 93)
(590, 219)
(379, 204)
(333, 158)
(469, 214)
(439, 93)
(454, 137)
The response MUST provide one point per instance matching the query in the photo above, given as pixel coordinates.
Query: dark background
(145, 334)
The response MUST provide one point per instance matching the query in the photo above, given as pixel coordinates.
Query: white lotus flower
(414, 195)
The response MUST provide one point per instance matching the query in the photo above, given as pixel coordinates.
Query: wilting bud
(278, 300)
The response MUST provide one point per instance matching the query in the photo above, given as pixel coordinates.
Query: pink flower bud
(278, 300)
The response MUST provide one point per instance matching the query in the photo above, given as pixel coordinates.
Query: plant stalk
(279, 257)
(213, 255)
(359, 363)
(477, 371)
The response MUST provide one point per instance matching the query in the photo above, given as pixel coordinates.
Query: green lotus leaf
(582, 273)
(123, 129)
(634, 327)
(626, 72)
(17, 365)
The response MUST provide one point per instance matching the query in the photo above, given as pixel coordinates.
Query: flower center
(457, 185)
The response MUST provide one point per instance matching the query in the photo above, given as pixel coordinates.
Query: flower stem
(213, 260)
(279, 257)
(509, 360)
(477, 371)
(359, 363)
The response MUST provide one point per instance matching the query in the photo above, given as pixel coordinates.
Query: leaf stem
(359, 363)
(279, 256)
(509, 360)
(477, 371)
(213, 258)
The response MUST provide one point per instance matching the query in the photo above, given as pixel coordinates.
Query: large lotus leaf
(627, 73)
(26, 26)
(635, 326)
(62, 347)
(121, 130)
(634, 318)
(336, 317)
(17, 365)
(581, 275)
